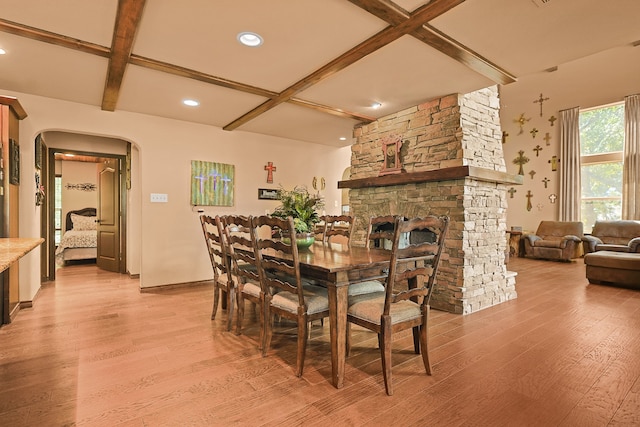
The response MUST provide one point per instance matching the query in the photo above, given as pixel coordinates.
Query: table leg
(338, 300)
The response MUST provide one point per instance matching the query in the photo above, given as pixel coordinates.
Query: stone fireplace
(452, 165)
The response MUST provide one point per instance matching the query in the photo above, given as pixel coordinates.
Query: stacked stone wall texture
(454, 130)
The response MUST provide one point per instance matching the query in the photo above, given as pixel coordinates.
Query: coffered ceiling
(322, 64)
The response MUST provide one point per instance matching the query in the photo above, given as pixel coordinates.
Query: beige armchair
(616, 236)
(555, 240)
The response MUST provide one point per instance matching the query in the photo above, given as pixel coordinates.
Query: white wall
(73, 198)
(171, 248)
(586, 83)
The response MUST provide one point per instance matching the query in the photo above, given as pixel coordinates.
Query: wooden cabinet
(11, 112)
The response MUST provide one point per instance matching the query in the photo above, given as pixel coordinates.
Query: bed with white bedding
(80, 240)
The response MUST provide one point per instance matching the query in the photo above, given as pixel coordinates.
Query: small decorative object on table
(301, 205)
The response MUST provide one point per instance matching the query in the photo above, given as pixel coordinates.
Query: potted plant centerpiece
(302, 206)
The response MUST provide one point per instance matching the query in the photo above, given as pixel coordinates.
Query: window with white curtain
(601, 146)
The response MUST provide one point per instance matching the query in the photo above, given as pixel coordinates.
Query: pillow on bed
(82, 223)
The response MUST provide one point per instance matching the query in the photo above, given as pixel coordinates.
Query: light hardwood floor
(95, 351)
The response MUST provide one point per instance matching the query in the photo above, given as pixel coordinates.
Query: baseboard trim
(171, 286)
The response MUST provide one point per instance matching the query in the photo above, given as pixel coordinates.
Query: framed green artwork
(212, 183)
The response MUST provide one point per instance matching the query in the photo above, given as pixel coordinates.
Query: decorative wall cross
(552, 119)
(520, 160)
(537, 149)
(532, 173)
(270, 168)
(534, 132)
(512, 191)
(554, 163)
(553, 198)
(540, 101)
(529, 196)
(505, 135)
(546, 181)
(547, 138)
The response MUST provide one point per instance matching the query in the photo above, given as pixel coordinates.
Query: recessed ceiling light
(2, 51)
(191, 102)
(376, 105)
(250, 39)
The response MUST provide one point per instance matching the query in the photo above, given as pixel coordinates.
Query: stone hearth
(453, 165)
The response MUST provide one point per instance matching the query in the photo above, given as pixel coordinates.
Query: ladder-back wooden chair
(380, 229)
(222, 278)
(286, 295)
(408, 289)
(240, 235)
(337, 225)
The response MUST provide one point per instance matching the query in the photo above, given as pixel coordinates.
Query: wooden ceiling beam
(126, 26)
(176, 70)
(416, 19)
(396, 15)
(332, 110)
(53, 38)
(141, 61)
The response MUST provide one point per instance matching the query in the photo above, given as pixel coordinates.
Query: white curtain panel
(631, 156)
(570, 184)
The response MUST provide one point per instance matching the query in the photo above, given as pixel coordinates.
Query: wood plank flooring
(95, 351)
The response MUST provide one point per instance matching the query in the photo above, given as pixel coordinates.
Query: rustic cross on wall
(540, 101)
(529, 196)
(505, 135)
(537, 149)
(511, 191)
(553, 198)
(554, 163)
(532, 173)
(521, 160)
(533, 132)
(547, 138)
(552, 119)
(270, 168)
(546, 181)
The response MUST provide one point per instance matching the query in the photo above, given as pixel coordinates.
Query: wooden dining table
(337, 266)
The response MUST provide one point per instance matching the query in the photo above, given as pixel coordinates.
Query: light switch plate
(159, 198)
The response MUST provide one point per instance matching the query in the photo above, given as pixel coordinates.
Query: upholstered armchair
(616, 236)
(555, 240)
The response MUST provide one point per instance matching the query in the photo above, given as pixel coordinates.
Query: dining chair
(286, 295)
(222, 278)
(380, 231)
(408, 289)
(337, 225)
(240, 235)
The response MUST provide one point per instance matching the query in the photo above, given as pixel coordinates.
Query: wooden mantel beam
(444, 174)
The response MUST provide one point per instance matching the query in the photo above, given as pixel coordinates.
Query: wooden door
(108, 257)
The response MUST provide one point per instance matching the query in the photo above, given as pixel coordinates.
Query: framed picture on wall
(14, 162)
(212, 183)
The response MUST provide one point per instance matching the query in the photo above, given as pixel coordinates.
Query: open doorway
(88, 196)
